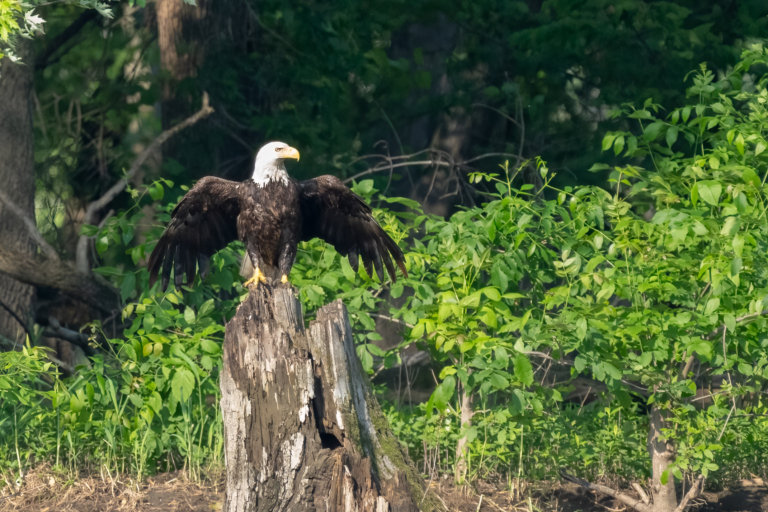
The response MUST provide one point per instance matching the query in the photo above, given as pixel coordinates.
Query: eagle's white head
(270, 163)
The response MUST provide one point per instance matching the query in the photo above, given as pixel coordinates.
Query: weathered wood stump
(303, 431)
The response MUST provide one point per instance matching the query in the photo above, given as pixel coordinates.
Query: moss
(390, 447)
(352, 431)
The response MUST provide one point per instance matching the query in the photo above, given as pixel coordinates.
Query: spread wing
(334, 213)
(203, 222)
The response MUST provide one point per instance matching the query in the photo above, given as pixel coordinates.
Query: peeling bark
(303, 431)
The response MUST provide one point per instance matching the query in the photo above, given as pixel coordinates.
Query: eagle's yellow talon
(257, 277)
(284, 279)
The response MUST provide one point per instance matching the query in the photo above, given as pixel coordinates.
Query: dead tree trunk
(303, 431)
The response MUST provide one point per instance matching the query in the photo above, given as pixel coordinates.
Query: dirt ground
(45, 491)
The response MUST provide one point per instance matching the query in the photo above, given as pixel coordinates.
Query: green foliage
(622, 286)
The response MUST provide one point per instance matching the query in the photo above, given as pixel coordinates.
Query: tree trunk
(662, 455)
(461, 445)
(181, 28)
(17, 177)
(303, 431)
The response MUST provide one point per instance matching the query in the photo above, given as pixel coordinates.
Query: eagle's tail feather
(168, 265)
(387, 261)
(246, 267)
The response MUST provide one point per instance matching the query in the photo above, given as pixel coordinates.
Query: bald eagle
(271, 213)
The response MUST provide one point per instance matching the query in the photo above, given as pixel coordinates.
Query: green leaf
(671, 136)
(209, 346)
(156, 192)
(155, 402)
(742, 204)
(498, 381)
(444, 392)
(749, 176)
(523, 369)
(491, 293)
(499, 278)
(686, 113)
(607, 142)
(736, 264)
(611, 371)
(746, 369)
(136, 400)
(618, 146)
(182, 384)
(347, 270)
(597, 167)
(88, 230)
(129, 284)
(712, 305)
(738, 245)
(709, 191)
(652, 131)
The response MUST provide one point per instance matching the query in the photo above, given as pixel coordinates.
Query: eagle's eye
(278, 149)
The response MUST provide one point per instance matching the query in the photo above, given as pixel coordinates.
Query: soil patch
(46, 491)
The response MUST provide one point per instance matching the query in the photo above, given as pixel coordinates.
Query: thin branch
(379, 168)
(117, 188)
(714, 334)
(273, 33)
(65, 35)
(501, 113)
(29, 224)
(625, 499)
(390, 319)
(78, 339)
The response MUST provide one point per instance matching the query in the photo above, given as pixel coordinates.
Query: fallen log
(303, 431)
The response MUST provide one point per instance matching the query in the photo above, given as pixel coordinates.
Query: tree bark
(662, 455)
(181, 28)
(37, 270)
(462, 445)
(303, 431)
(17, 177)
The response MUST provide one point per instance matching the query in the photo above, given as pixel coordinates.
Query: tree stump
(303, 431)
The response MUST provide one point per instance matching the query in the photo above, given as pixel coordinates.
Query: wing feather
(203, 222)
(332, 212)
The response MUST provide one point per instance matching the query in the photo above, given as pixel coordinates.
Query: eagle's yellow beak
(290, 152)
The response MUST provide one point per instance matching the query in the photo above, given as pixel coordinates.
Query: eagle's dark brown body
(271, 220)
(270, 225)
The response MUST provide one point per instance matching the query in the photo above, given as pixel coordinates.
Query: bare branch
(78, 339)
(693, 493)
(37, 270)
(380, 168)
(639, 490)
(714, 334)
(117, 188)
(29, 224)
(625, 499)
(390, 319)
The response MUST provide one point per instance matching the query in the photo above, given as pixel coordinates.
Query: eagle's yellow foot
(284, 279)
(256, 279)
